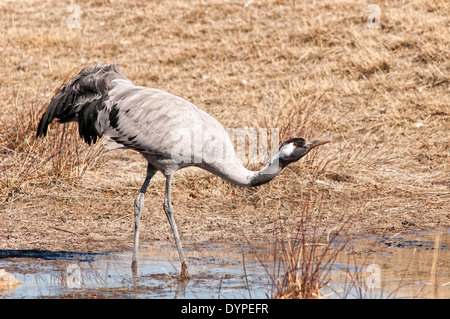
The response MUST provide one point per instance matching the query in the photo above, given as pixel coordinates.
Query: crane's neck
(267, 173)
(237, 174)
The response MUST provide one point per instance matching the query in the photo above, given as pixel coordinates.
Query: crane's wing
(157, 122)
(104, 102)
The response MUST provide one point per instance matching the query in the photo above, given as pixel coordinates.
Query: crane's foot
(184, 275)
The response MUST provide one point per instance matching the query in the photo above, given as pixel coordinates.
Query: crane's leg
(138, 207)
(184, 275)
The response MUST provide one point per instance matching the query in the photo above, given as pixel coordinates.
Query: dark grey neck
(267, 173)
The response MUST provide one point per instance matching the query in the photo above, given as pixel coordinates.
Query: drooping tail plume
(81, 100)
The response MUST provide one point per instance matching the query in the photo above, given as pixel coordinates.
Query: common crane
(164, 128)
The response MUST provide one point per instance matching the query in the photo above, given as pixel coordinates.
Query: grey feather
(82, 99)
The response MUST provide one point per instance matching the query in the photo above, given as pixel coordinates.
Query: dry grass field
(312, 69)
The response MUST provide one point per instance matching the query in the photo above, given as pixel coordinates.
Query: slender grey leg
(169, 213)
(138, 207)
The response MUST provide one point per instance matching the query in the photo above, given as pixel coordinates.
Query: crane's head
(295, 148)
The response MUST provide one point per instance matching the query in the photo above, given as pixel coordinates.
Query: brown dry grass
(309, 68)
(304, 259)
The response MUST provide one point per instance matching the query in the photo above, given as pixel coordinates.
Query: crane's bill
(315, 143)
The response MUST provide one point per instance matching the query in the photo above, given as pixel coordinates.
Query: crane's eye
(295, 143)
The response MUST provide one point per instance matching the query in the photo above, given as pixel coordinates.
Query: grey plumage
(170, 132)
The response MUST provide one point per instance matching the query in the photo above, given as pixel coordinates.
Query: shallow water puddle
(217, 272)
(403, 266)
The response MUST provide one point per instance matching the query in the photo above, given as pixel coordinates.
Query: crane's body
(170, 132)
